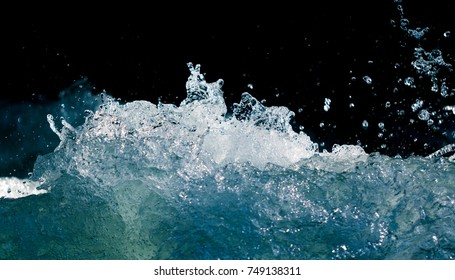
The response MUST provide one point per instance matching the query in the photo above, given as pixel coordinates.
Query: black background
(294, 56)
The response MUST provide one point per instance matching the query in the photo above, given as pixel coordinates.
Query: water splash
(429, 64)
(145, 181)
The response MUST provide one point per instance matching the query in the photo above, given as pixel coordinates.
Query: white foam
(244, 142)
(12, 187)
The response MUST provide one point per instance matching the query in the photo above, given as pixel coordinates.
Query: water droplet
(404, 22)
(381, 125)
(367, 79)
(436, 53)
(351, 105)
(424, 115)
(387, 104)
(444, 89)
(450, 108)
(409, 81)
(418, 32)
(301, 128)
(434, 87)
(365, 124)
(321, 124)
(447, 34)
(250, 86)
(417, 105)
(300, 110)
(430, 122)
(327, 102)
(393, 23)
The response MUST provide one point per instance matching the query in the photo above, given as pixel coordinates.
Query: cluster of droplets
(428, 66)
(426, 63)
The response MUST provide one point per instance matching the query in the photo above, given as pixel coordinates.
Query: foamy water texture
(146, 181)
